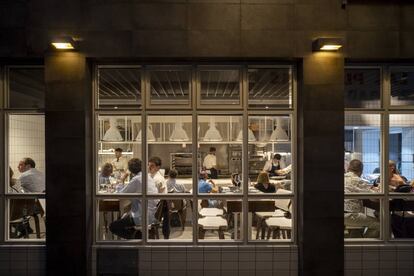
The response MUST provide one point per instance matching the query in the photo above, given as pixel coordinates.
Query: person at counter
(353, 208)
(106, 172)
(119, 163)
(125, 226)
(154, 166)
(31, 179)
(263, 183)
(396, 179)
(210, 163)
(172, 185)
(274, 165)
(204, 186)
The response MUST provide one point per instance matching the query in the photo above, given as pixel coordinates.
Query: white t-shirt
(210, 161)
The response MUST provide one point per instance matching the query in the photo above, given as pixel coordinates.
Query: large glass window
(25, 185)
(202, 190)
(362, 88)
(402, 86)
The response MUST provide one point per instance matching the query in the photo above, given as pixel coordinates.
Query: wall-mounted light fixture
(63, 43)
(327, 44)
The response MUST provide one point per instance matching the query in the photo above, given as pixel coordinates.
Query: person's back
(32, 181)
(204, 186)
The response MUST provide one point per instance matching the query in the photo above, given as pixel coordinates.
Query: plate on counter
(278, 177)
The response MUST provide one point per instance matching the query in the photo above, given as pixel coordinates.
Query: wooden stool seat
(215, 223)
(280, 227)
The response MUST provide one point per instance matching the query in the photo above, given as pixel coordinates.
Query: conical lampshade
(212, 134)
(252, 138)
(112, 134)
(279, 134)
(179, 134)
(150, 135)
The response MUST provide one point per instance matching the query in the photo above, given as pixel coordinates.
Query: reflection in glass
(27, 218)
(119, 87)
(220, 165)
(401, 151)
(270, 160)
(219, 219)
(270, 88)
(363, 142)
(116, 146)
(26, 153)
(173, 220)
(119, 219)
(170, 155)
(170, 87)
(220, 86)
(402, 87)
(362, 88)
(26, 88)
(362, 218)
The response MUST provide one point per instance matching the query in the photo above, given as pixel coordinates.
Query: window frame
(196, 109)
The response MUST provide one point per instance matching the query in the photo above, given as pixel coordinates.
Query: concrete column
(321, 163)
(68, 160)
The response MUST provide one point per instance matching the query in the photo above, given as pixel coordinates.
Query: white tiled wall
(26, 139)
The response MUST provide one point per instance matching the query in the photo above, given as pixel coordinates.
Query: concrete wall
(207, 28)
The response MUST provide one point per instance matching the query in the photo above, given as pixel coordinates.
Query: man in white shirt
(154, 166)
(354, 209)
(210, 163)
(119, 163)
(124, 227)
(31, 180)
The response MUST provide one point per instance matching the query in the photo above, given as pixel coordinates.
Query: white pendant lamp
(112, 134)
(150, 135)
(252, 138)
(279, 134)
(212, 134)
(179, 134)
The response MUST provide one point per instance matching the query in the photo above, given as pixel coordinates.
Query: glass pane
(220, 87)
(402, 218)
(119, 142)
(220, 148)
(171, 219)
(119, 219)
(270, 219)
(362, 88)
(170, 87)
(220, 219)
(270, 88)
(402, 87)
(270, 153)
(26, 88)
(362, 218)
(119, 87)
(26, 218)
(26, 153)
(363, 144)
(401, 152)
(170, 158)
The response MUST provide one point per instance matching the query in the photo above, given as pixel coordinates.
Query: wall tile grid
(23, 260)
(379, 260)
(224, 260)
(26, 139)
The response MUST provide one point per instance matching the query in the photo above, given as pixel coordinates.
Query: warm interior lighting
(330, 47)
(63, 45)
(327, 44)
(212, 134)
(179, 134)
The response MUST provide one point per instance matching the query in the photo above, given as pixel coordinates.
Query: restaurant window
(270, 87)
(378, 155)
(193, 183)
(25, 206)
(362, 87)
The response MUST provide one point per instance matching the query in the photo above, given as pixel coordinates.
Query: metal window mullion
(385, 130)
(194, 149)
(244, 96)
(293, 148)
(144, 148)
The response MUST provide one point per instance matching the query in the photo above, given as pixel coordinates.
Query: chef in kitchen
(210, 163)
(119, 164)
(274, 165)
